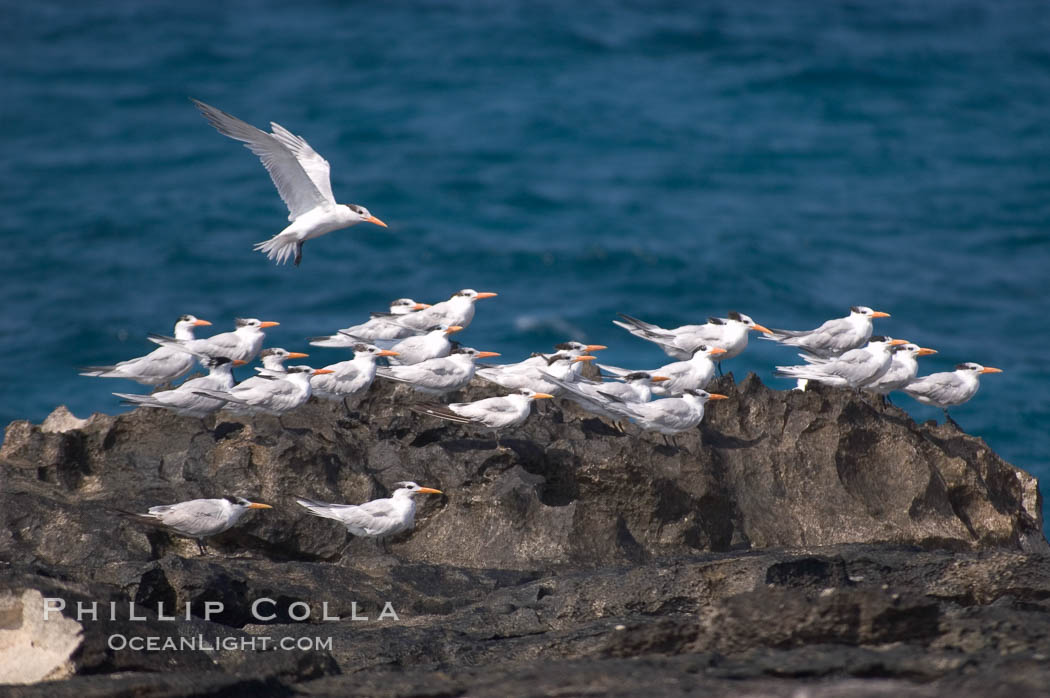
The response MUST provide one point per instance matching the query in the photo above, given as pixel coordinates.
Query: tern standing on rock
(729, 333)
(834, 337)
(375, 328)
(301, 176)
(457, 310)
(949, 388)
(186, 400)
(160, 366)
(243, 344)
(198, 518)
(855, 369)
(349, 378)
(438, 376)
(379, 518)
(680, 376)
(668, 416)
(493, 413)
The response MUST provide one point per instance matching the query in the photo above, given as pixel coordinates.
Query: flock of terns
(415, 340)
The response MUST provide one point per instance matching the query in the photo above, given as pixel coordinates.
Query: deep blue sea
(668, 160)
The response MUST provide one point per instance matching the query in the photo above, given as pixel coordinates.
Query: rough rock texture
(816, 540)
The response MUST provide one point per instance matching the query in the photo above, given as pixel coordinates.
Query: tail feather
(97, 371)
(435, 409)
(281, 248)
(338, 341)
(219, 395)
(135, 399)
(614, 370)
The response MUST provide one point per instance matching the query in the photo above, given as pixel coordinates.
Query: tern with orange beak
(856, 369)
(949, 388)
(243, 344)
(198, 518)
(594, 396)
(379, 518)
(495, 413)
(435, 344)
(438, 376)
(667, 416)
(834, 337)
(680, 376)
(903, 369)
(349, 378)
(269, 393)
(729, 333)
(161, 366)
(375, 328)
(186, 400)
(566, 364)
(302, 179)
(457, 310)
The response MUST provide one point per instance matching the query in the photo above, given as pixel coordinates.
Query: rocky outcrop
(814, 538)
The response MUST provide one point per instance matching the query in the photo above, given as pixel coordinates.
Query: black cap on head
(733, 315)
(876, 338)
(635, 376)
(715, 321)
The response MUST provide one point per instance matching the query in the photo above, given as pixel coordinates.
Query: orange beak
(452, 329)
(201, 323)
(256, 505)
(387, 352)
(717, 350)
(897, 342)
(429, 490)
(486, 294)
(322, 371)
(542, 396)
(718, 396)
(879, 313)
(487, 354)
(761, 328)
(238, 362)
(989, 369)
(373, 219)
(297, 355)
(594, 347)
(584, 358)
(659, 379)
(926, 352)
(420, 306)
(269, 323)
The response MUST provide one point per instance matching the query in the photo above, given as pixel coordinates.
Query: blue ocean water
(668, 160)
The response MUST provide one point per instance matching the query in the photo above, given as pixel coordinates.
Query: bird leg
(720, 373)
(298, 253)
(200, 545)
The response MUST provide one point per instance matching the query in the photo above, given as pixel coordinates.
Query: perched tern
(680, 376)
(272, 394)
(729, 333)
(493, 413)
(834, 337)
(435, 344)
(567, 364)
(668, 416)
(161, 366)
(273, 360)
(903, 369)
(379, 518)
(438, 376)
(186, 400)
(949, 388)
(198, 518)
(349, 378)
(856, 368)
(457, 310)
(375, 328)
(595, 396)
(243, 344)
(301, 176)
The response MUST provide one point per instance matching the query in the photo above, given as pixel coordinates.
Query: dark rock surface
(815, 541)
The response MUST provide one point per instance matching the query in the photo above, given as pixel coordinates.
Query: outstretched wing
(315, 166)
(293, 182)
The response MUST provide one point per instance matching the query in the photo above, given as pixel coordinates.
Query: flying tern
(438, 376)
(949, 388)
(301, 176)
(729, 333)
(243, 344)
(834, 337)
(680, 376)
(161, 366)
(198, 518)
(185, 400)
(375, 328)
(493, 413)
(856, 368)
(379, 518)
